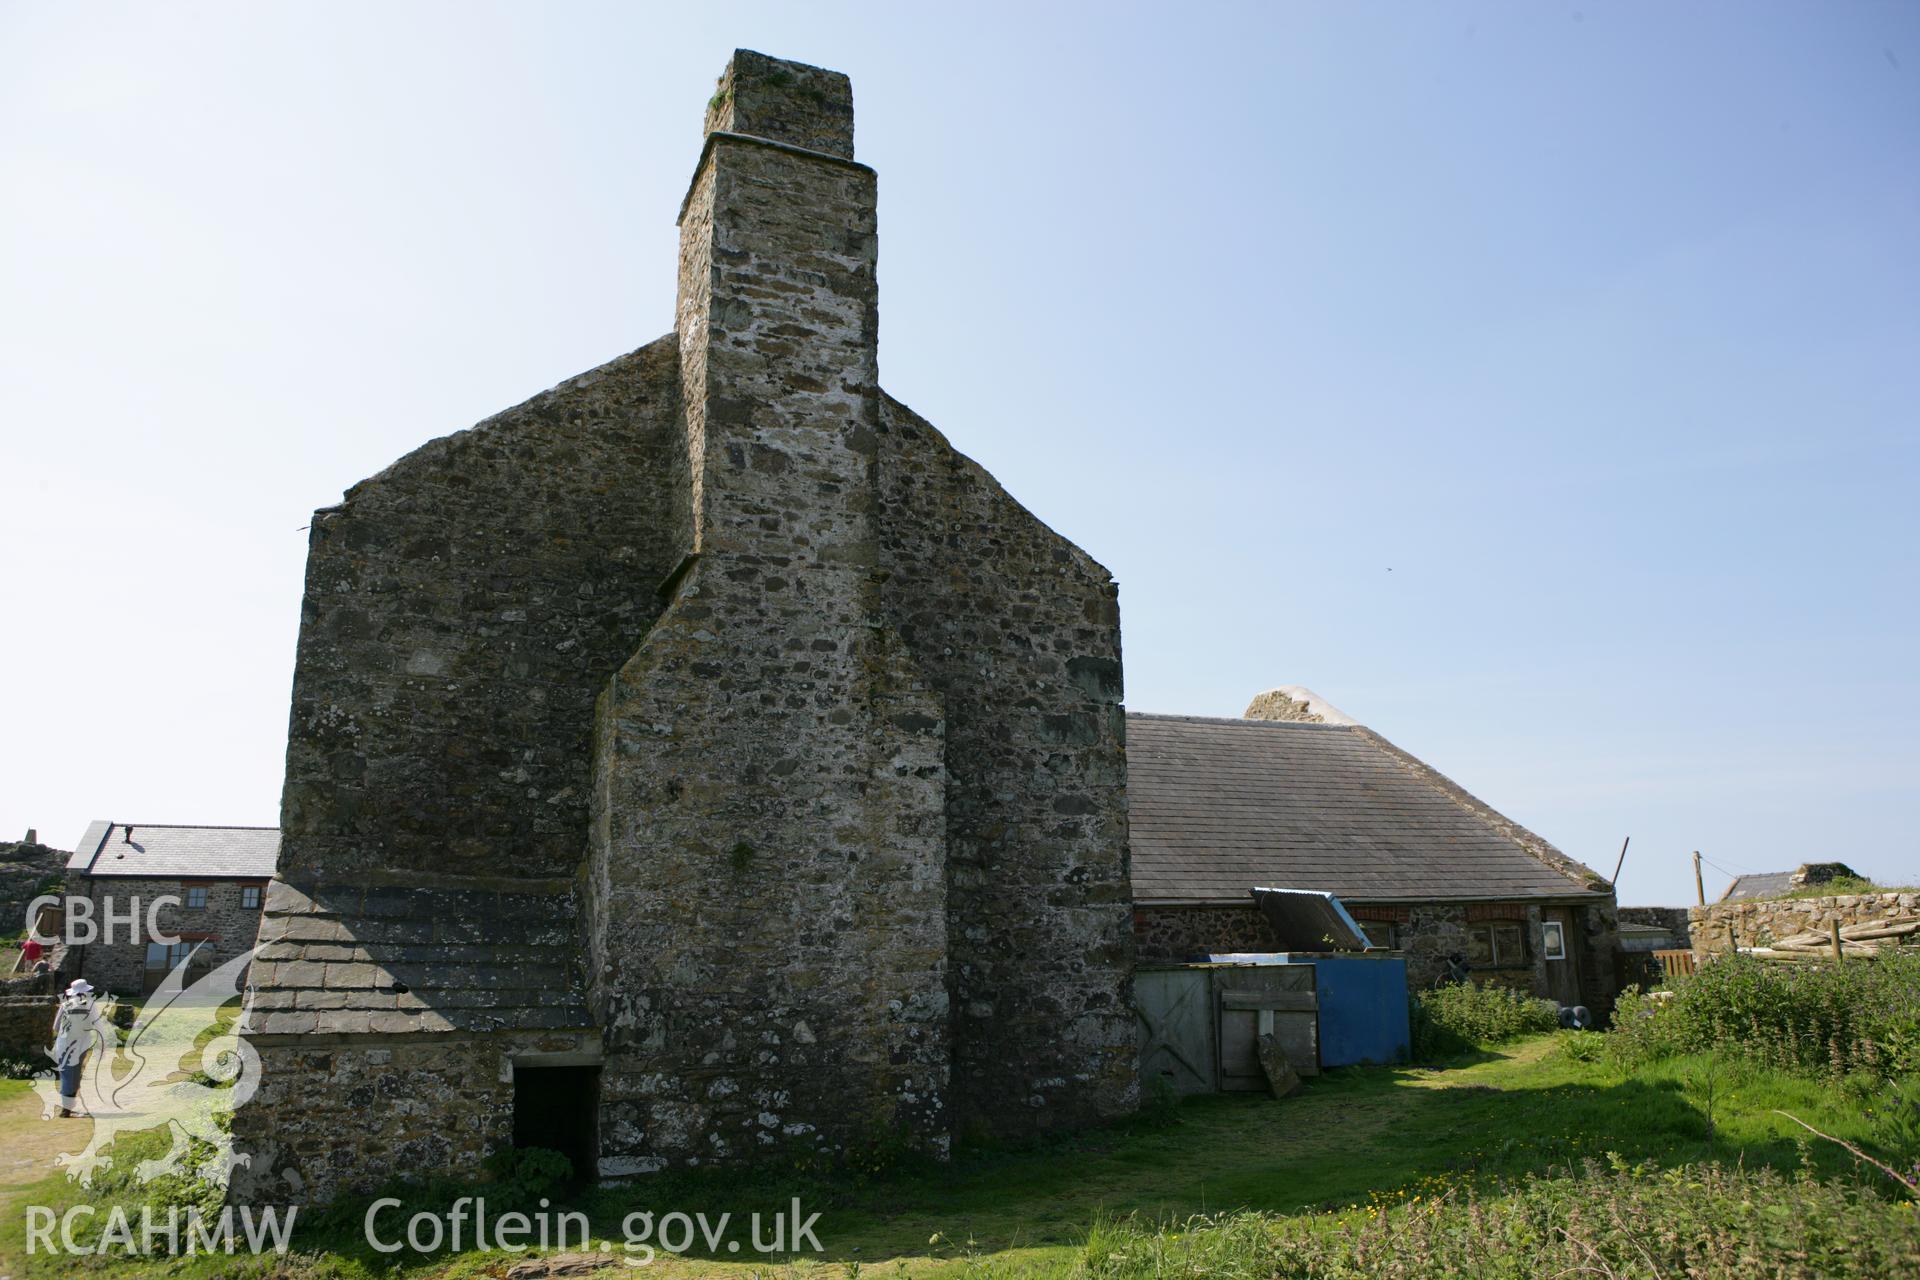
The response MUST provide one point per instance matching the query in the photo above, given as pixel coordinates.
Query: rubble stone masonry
(1757, 923)
(223, 928)
(809, 734)
(1427, 933)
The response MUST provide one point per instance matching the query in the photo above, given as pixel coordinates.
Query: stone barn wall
(26, 1022)
(347, 1111)
(1426, 932)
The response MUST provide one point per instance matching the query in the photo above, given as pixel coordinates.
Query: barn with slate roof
(1299, 796)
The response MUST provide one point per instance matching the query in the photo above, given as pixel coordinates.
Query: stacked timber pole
(1867, 940)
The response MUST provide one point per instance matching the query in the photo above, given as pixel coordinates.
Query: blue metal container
(1363, 1003)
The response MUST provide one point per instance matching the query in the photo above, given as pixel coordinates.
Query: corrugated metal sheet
(1303, 920)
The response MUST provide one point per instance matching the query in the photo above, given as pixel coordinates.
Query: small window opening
(1499, 946)
(1382, 933)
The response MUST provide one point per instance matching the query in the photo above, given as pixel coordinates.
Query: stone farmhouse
(218, 875)
(1297, 795)
(702, 759)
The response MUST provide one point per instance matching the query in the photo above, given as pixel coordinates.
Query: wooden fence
(1675, 964)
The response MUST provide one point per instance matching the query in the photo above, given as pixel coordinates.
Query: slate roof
(1770, 884)
(334, 958)
(1220, 806)
(175, 852)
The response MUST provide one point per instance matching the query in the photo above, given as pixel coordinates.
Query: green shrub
(1579, 1046)
(1646, 1029)
(1895, 1119)
(1704, 1222)
(525, 1175)
(1840, 885)
(1828, 1019)
(1451, 1020)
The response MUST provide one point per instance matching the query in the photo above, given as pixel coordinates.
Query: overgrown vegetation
(1616, 1220)
(1841, 885)
(1453, 1020)
(1570, 1153)
(1827, 1019)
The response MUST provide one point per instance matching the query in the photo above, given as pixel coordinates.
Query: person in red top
(33, 950)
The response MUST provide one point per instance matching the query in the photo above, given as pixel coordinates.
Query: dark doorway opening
(559, 1108)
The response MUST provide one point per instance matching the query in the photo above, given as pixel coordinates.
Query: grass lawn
(1358, 1136)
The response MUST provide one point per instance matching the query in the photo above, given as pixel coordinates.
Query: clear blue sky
(1538, 382)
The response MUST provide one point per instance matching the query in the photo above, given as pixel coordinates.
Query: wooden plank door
(1252, 1001)
(1176, 1027)
(1561, 950)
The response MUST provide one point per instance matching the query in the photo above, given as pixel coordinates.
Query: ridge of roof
(191, 826)
(1239, 722)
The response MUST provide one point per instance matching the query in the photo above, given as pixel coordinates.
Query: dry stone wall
(1756, 924)
(26, 1022)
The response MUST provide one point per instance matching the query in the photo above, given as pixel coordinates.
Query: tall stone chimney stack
(778, 315)
(766, 886)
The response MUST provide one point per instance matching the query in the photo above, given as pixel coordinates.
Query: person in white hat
(72, 1040)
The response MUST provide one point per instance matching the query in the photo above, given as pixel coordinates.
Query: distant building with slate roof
(200, 887)
(1298, 795)
(1757, 886)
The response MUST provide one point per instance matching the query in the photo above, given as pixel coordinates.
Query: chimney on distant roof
(129, 835)
(1295, 704)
